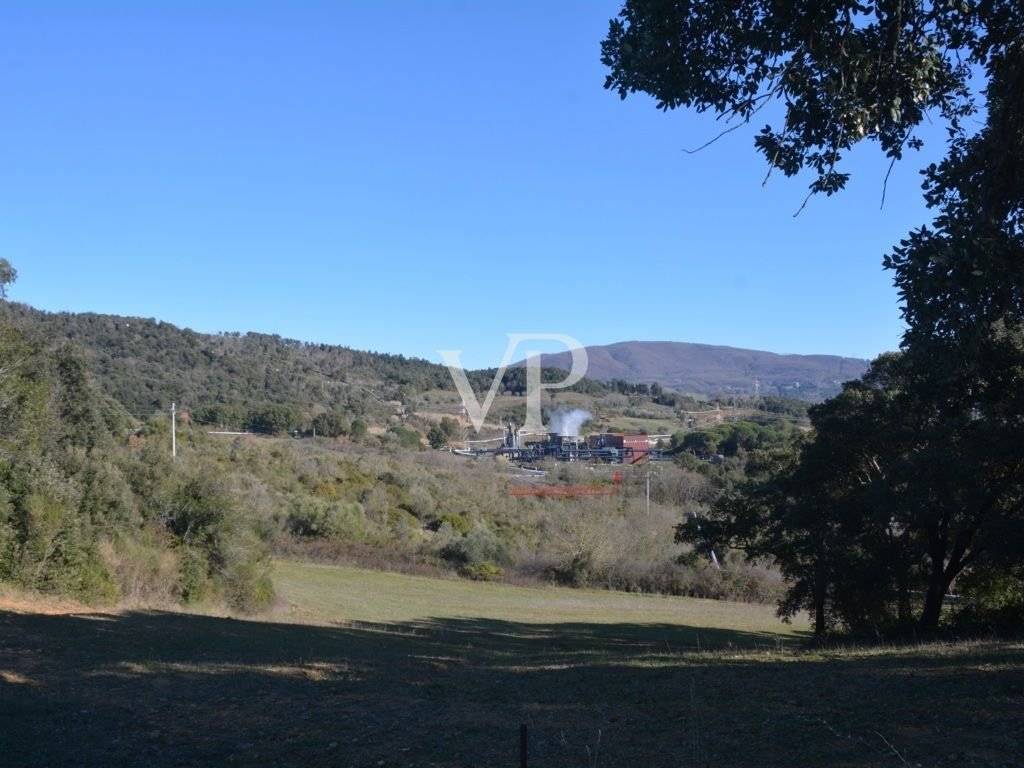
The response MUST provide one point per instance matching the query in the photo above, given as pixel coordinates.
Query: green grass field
(317, 594)
(361, 668)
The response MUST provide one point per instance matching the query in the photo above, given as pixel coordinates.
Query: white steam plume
(567, 422)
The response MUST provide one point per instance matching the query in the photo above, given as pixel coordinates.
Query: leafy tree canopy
(844, 71)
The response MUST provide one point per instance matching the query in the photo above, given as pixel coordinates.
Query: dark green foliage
(874, 518)
(440, 434)
(274, 419)
(106, 500)
(47, 517)
(194, 575)
(914, 479)
(436, 437)
(69, 491)
(783, 405)
(317, 519)
(843, 71)
(407, 438)
(732, 438)
(330, 424)
(219, 553)
(701, 443)
(146, 363)
(199, 512)
(77, 408)
(222, 415)
(991, 600)
(480, 545)
(358, 429)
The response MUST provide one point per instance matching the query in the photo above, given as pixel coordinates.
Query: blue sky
(408, 177)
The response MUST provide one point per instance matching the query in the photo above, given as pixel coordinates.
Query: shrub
(330, 424)
(407, 438)
(485, 571)
(44, 545)
(248, 587)
(991, 602)
(193, 576)
(420, 502)
(436, 437)
(315, 519)
(450, 427)
(106, 496)
(273, 419)
(199, 511)
(311, 519)
(480, 545)
(218, 555)
(144, 570)
(358, 429)
(577, 571)
(458, 523)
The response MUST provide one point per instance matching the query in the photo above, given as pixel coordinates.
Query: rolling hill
(145, 363)
(708, 370)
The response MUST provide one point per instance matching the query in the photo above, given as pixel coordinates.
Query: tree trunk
(903, 583)
(939, 579)
(938, 545)
(903, 597)
(819, 601)
(934, 597)
(819, 616)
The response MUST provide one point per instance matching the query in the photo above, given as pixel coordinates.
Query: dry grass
(14, 600)
(391, 670)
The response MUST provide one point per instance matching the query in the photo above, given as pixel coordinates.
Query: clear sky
(408, 177)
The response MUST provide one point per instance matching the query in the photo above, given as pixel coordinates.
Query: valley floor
(362, 668)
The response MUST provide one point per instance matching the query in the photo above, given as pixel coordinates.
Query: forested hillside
(259, 381)
(145, 363)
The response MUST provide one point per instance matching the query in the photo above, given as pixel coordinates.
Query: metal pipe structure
(606, 448)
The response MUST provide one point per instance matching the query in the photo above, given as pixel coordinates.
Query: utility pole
(648, 493)
(174, 433)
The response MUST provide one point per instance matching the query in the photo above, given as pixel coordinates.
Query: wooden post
(522, 746)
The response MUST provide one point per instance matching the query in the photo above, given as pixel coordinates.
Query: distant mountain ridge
(709, 370)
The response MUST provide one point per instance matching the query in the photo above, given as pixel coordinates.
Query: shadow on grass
(166, 689)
